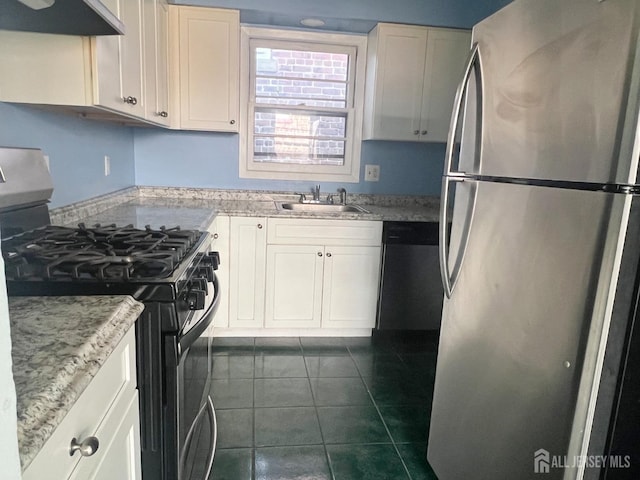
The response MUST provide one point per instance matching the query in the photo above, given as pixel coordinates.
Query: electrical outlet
(107, 165)
(372, 173)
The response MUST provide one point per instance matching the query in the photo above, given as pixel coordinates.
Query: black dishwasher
(411, 292)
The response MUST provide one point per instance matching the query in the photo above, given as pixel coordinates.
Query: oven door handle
(213, 425)
(187, 338)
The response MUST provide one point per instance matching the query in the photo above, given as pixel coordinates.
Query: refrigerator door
(516, 328)
(555, 86)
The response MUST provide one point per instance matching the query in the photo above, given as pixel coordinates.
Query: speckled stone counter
(189, 214)
(195, 208)
(59, 344)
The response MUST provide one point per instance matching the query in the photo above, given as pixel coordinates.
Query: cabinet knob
(163, 114)
(131, 100)
(232, 122)
(328, 254)
(319, 254)
(87, 447)
(416, 132)
(215, 236)
(260, 225)
(424, 132)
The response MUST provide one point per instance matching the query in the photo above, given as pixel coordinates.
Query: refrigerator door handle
(473, 58)
(450, 276)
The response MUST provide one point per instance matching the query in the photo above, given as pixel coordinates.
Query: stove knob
(205, 273)
(213, 259)
(200, 284)
(195, 299)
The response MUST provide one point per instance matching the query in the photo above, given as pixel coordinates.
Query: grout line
(375, 404)
(315, 407)
(253, 415)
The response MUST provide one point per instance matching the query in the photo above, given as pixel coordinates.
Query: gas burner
(104, 253)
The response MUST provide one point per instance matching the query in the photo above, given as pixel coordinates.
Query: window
(301, 101)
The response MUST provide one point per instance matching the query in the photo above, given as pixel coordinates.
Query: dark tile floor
(323, 408)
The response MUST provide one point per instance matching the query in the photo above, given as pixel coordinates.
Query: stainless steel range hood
(66, 17)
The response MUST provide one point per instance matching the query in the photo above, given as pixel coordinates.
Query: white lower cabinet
(322, 273)
(106, 411)
(219, 231)
(289, 273)
(247, 258)
(294, 286)
(120, 457)
(350, 287)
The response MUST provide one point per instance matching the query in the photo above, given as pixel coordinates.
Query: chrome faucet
(316, 193)
(343, 196)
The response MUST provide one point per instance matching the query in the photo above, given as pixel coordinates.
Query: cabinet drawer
(115, 380)
(118, 456)
(293, 231)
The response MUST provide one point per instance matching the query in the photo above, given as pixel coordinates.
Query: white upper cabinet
(412, 76)
(156, 60)
(117, 64)
(119, 77)
(205, 44)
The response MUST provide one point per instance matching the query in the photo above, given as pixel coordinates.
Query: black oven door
(197, 431)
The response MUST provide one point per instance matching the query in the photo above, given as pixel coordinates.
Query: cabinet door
(219, 231)
(446, 54)
(208, 63)
(119, 457)
(118, 64)
(294, 286)
(248, 242)
(397, 78)
(350, 287)
(156, 73)
(162, 63)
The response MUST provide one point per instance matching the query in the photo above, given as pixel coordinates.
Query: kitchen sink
(319, 207)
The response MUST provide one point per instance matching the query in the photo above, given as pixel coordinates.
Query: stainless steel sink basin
(319, 207)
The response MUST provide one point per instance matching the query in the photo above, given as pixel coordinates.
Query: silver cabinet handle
(319, 254)
(215, 236)
(163, 114)
(232, 122)
(260, 226)
(416, 132)
(87, 447)
(424, 132)
(131, 100)
(329, 254)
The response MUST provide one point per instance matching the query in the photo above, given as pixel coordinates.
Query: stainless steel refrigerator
(540, 267)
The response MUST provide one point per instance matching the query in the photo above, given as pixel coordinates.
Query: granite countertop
(196, 208)
(58, 347)
(190, 214)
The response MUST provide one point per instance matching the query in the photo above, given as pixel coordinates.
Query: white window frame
(350, 171)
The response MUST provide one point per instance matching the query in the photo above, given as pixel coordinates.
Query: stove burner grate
(104, 253)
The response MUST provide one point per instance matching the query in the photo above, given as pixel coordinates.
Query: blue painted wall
(76, 150)
(210, 160)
